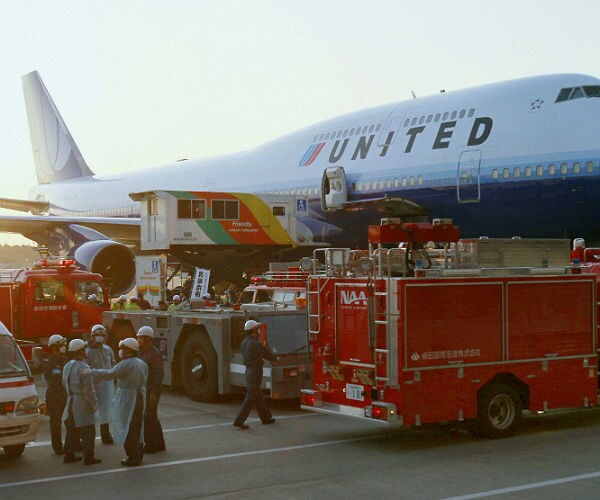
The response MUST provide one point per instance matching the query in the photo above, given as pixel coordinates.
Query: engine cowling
(114, 261)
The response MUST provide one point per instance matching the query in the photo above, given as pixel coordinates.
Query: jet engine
(112, 260)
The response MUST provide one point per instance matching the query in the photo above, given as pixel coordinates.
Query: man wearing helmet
(56, 396)
(81, 406)
(101, 356)
(120, 304)
(154, 440)
(131, 374)
(253, 353)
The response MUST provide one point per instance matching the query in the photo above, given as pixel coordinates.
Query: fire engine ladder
(386, 300)
(313, 305)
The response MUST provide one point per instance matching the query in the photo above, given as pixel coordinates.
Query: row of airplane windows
(505, 173)
(409, 121)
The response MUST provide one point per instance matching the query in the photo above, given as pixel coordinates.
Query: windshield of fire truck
(49, 291)
(11, 359)
(89, 292)
(286, 334)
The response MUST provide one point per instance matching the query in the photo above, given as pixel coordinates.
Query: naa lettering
(352, 297)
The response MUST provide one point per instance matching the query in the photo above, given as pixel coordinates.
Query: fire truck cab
(53, 297)
(441, 329)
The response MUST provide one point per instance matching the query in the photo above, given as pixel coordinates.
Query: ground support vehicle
(53, 297)
(397, 341)
(19, 412)
(280, 289)
(201, 348)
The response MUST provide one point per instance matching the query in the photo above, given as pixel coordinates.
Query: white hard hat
(123, 298)
(578, 243)
(93, 297)
(176, 297)
(76, 345)
(56, 339)
(145, 331)
(98, 329)
(250, 325)
(130, 343)
(206, 295)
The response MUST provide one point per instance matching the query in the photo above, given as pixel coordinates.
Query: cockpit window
(570, 93)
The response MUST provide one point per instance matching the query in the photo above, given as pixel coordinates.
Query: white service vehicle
(19, 411)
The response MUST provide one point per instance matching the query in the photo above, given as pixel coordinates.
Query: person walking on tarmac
(253, 353)
(154, 440)
(101, 356)
(81, 406)
(56, 396)
(131, 374)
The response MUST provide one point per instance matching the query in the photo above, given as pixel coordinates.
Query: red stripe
(315, 154)
(20, 383)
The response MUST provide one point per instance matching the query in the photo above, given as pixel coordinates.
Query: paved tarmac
(308, 455)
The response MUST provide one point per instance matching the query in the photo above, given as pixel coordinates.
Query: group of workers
(80, 393)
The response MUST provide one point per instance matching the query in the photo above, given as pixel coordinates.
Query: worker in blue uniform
(253, 354)
(101, 356)
(56, 396)
(81, 406)
(131, 374)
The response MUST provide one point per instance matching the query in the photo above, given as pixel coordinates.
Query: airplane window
(321, 138)
(592, 90)
(364, 131)
(378, 128)
(437, 117)
(421, 120)
(303, 191)
(453, 116)
(429, 118)
(471, 112)
(506, 173)
(462, 113)
(345, 132)
(563, 95)
(527, 171)
(351, 131)
(396, 182)
(371, 128)
(551, 169)
(445, 117)
(577, 168)
(589, 167)
(403, 181)
(517, 172)
(339, 134)
(406, 122)
(388, 183)
(495, 173)
(564, 168)
(381, 184)
(577, 93)
(412, 181)
(420, 180)
(360, 186)
(316, 190)
(327, 136)
(298, 190)
(539, 170)
(414, 121)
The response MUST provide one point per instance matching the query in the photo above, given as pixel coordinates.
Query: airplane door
(468, 188)
(334, 190)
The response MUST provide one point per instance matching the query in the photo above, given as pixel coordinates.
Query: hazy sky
(142, 83)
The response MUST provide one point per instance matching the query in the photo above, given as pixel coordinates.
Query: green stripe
(183, 195)
(216, 232)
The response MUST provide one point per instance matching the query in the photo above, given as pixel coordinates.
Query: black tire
(198, 369)
(499, 410)
(15, 450)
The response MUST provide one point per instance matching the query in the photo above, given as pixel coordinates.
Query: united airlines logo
(311, 154)
(351, 298)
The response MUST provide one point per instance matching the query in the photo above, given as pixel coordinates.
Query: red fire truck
(473, 330)
(53, 297)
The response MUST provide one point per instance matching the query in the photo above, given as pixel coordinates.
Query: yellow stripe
(269, 223)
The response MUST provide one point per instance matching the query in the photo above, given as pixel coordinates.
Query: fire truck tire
(14, 450)
(198, 369)
(499, 409)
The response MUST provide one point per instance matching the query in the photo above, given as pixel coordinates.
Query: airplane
(518, 157)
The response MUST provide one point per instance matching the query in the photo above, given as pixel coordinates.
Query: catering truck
(424, 327)
(201, 348)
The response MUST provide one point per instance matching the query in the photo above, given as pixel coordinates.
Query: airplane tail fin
(55, 153)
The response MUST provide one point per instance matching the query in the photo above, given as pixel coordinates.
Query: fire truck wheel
(499, 411)
(198, 369)
(14, 450)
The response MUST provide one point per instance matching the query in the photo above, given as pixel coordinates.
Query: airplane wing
(35, 207)
(38, 228)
